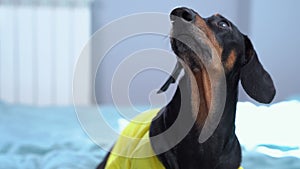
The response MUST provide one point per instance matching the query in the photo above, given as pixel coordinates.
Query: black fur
(222, 150)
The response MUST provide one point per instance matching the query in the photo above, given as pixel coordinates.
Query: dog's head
(215, 43)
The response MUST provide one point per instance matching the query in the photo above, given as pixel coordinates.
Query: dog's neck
(226, 126)
(223, 140)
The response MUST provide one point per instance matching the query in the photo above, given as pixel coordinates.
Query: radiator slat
(63, 83)
(7, 55)
(44, 53)
(26, 56)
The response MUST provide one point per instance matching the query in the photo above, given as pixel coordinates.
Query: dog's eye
(224, 25)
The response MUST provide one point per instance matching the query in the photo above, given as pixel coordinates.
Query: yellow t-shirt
(133, 149)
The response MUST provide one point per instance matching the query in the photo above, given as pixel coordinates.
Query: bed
(52, 138)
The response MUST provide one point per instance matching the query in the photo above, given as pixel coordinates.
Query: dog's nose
(184, 13)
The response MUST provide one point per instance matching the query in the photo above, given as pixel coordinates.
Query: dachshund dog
(214, 56)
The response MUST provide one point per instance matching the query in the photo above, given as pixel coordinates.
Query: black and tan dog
(196, 98)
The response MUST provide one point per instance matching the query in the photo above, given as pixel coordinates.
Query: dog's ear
(256, 81)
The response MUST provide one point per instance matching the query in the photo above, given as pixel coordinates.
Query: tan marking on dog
(201, 24)
(204, 89)
(230, 60)
(195, 98)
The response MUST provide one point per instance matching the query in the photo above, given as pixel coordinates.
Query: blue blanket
(52, 138)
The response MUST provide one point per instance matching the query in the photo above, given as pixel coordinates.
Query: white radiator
(39, 45)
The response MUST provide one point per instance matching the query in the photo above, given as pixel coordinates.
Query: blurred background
(41, 41)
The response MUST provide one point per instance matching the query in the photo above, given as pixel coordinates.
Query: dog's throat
(204, 96)
(199, 93)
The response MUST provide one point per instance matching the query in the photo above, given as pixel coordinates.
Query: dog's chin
(186, 54)
(190, 44)
(179, 48)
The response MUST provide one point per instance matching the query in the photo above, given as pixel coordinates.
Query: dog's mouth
(198, 54)
(190, 42)
(184, 48)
